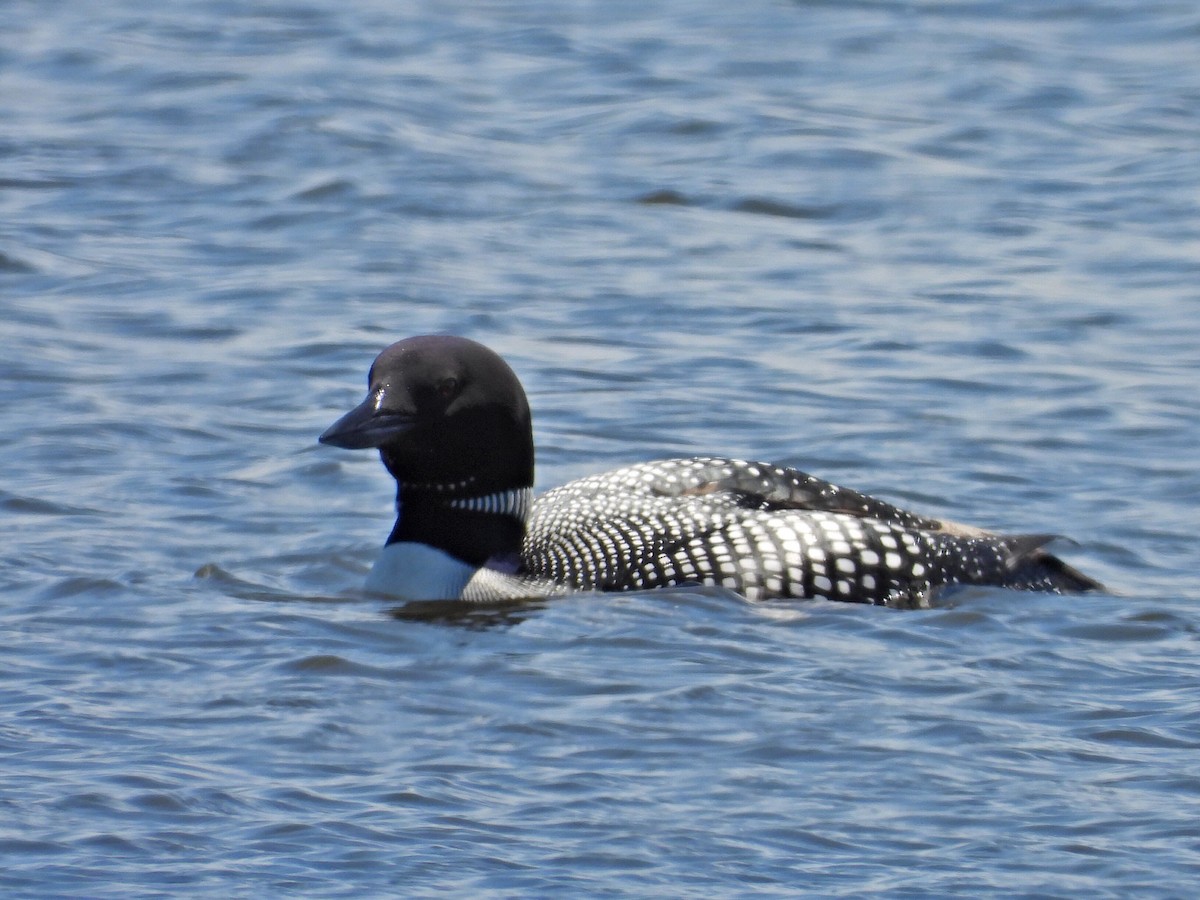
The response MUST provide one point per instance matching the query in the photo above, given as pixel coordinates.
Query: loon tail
(1032, 568)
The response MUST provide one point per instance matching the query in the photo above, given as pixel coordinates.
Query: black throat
(474, 529)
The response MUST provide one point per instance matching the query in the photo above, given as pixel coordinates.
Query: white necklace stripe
(506, 503)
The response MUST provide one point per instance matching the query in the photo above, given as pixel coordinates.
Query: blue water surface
(944, 252)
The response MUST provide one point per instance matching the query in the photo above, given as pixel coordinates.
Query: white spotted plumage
(722, 522)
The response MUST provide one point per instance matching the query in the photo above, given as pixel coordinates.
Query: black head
(446, 413)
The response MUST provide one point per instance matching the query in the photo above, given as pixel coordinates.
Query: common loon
(452, 425)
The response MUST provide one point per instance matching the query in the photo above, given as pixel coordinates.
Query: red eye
(447, 388)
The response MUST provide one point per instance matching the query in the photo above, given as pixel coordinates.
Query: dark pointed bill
(366, 426)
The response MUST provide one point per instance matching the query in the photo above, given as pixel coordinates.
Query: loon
(453, 427)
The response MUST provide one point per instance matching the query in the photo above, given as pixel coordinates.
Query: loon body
(452, 426)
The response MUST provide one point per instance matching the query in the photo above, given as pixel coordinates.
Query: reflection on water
(465, 614)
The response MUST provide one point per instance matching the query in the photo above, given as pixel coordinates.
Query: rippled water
(942, 252)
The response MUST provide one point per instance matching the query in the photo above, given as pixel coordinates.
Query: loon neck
(469, 526)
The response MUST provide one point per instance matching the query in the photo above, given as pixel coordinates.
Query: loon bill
(452, 425)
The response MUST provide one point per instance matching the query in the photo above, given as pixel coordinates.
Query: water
(943, 252)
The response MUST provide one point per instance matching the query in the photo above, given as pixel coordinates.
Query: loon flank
(452, 425)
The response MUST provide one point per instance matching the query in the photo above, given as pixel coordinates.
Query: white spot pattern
(761, 530)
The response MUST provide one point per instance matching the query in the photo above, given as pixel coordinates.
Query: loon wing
(768, 486)
(766, 531)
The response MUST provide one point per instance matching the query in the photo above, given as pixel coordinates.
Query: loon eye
(447, 388)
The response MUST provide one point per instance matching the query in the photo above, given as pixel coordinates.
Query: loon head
(452, 425)
(446, 414)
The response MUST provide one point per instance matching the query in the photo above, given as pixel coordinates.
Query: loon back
(765, 532)
(452, 426)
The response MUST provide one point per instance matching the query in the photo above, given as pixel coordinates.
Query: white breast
(412, 571)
